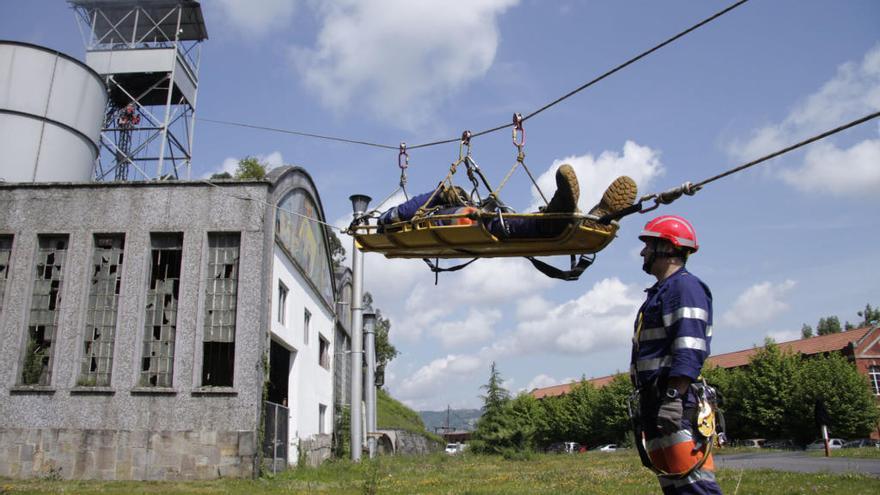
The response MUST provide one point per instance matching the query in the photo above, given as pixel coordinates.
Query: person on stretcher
(454, 201)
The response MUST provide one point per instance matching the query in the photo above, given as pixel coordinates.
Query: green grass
(591, 473)
(391, 414)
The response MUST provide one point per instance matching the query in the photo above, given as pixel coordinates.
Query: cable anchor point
(518, 129)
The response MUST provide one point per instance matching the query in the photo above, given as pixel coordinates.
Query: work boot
(565, 199)
(619, 195)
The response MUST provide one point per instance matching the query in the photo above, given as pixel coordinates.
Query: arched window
(304, 239)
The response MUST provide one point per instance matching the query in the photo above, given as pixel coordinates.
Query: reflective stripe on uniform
(685, 312)
(652, 334)
(709, 331)
(689, 343)
(697, 475)
(653, 363)
(668, 440)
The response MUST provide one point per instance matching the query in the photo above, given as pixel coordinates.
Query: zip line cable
(298, 133)
(599, 78)
(502, 126)
(793, 147)
(276, 207)
(659, 198)
(690, 189)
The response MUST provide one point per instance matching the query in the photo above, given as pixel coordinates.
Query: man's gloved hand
(669, 416)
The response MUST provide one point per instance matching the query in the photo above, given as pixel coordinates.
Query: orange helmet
(674, 229)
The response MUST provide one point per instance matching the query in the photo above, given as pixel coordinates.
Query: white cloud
(485, 283)
(542, 380)
(757, 304)
(853, 92)
(476, 327)
(398, 57)
(599, 319)
(436, 375)
(832, 170)
(784, 335)
(256, 19)
(230, 164)
(596, 173)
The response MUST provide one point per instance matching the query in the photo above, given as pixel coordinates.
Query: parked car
(833, 443)
(608, 447)
(563, 448)
(862, 442)
(454, 448)
(780, 444)
(755, 443)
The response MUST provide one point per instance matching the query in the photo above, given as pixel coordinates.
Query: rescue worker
(673, 330)
(620, 194)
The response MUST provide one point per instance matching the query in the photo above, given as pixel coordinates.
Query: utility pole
(370, 382)
(359, 203)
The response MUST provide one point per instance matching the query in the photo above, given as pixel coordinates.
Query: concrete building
(140, 322)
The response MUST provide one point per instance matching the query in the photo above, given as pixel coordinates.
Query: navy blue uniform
(672, 337)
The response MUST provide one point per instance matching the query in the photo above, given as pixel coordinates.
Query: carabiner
(518, 126)
(403, 157)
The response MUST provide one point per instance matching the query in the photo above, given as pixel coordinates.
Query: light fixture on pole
(369, 383)
(359, 204)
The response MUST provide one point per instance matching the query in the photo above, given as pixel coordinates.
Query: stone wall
(316, 449)
(125, 455)
(408, 443)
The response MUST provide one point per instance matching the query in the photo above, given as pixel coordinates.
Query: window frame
(283, 293)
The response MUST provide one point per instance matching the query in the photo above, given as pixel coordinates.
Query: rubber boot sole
(619, 195)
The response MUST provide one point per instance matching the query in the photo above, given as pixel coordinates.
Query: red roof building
(861, 345)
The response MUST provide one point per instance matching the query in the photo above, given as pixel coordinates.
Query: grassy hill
(391, 414)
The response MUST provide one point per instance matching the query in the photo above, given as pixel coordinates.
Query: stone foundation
(126, 455)
(316, 449)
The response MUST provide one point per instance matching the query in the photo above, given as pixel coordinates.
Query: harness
(707, 419)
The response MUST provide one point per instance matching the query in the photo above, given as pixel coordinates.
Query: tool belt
(705, 417)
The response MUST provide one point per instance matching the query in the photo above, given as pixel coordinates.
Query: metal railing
(275, 439)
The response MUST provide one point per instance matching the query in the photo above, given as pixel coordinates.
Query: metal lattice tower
(148, 53)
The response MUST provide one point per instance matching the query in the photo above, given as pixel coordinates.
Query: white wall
(310, 384)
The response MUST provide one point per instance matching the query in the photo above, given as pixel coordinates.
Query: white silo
(51, 112)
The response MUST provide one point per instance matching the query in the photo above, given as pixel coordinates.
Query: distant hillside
(459, 419)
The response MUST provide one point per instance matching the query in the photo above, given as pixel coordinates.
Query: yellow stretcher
(453, 236)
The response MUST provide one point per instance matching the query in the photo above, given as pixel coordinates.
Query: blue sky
(781, 245)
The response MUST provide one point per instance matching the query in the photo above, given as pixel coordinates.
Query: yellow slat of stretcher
(426, 240)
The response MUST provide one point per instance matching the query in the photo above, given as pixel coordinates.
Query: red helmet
(674, 229)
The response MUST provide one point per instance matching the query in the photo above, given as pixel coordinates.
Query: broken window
(323, 352)
(45, 300)
(160, 324)
(102, 310)
(220, 304)
(5, 254)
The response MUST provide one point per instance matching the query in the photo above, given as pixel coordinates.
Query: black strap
(435, 267)
(578, 265)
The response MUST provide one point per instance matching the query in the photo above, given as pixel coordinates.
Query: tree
(385, 350)
(580, 410)
(828, 325)
(845, 391)
(221, 175)
(870, 316)
(806, 331)
(498, 430)
(765, 391)
(337, 251)
(611, 417)
(251, 168)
